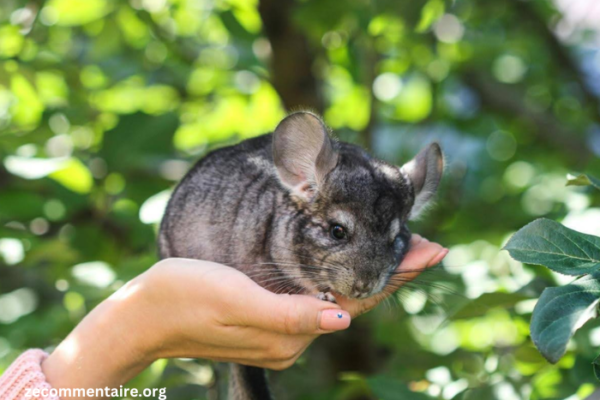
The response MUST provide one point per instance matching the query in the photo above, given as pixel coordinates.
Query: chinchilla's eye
(398, 243)
(338, 232)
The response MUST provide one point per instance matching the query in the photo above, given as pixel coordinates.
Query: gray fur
(248, 383)
(266, 207)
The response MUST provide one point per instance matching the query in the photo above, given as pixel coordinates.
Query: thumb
(299, 314)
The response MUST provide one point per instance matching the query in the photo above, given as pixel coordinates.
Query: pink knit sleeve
(24, 376)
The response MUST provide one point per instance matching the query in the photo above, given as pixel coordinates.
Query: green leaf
(560, 312)
(74, 176)
(385, 388)
(78, 12)
(548, 243)
(596, 365)
(479, 393)
(583, 180)
(415, 101)
(481, 305)
(430, 13)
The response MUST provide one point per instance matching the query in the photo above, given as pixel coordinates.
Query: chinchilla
(299, 212)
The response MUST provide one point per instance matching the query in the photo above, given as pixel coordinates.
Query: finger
(420, 257)
(415, 239)
(255, 344)
(438, 259)
(358, 307)
(293, 314)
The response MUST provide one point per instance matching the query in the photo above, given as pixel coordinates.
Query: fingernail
(334, 320)
(439, 257)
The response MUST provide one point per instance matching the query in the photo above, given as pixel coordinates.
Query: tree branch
(292, 59)
(507, 100)
(531, 18)
(370, 57)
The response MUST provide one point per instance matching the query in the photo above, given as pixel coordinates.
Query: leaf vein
(576, 245)
(555, 254)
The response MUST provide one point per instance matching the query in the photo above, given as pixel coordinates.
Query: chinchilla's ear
(303, 153)
(424, 172)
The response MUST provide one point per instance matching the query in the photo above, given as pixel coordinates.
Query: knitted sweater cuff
(24, 379)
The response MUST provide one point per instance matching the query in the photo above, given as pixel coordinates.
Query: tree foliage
(105, 104)
(563, 310)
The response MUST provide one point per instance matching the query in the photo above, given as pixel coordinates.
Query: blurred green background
(105, 104)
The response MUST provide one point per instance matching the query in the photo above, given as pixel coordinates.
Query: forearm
(106, 349)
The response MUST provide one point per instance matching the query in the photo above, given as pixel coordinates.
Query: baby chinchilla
(299, 213)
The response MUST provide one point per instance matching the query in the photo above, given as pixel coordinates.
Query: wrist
(140, 324)
(153, 300)
(108, 348)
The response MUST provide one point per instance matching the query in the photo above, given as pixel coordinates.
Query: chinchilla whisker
(277, 284)
(284, 263)
(283, 279)
(439, 286)
(321, 266)
(387, 304)
(280, 290)
(434, 285)
(405, 294)
(283, 268)
(275, 279)
(387, 299)
(421, 280)
(335, 265)
(299, 273)
(291, 274)
(284, 288)
(298, 291)
(313, 281)
(409, 271)
(283, 276)
(393, 299)
(435, 298)
(398, 285)
(270, 278)
(307, 257)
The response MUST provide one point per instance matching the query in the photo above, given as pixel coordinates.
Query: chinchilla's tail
(248, 383)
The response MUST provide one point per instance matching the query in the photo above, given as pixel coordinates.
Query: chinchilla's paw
(326, 296)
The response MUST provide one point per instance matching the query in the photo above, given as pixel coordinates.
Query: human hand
(193, 309)
(243, 323)
(208, 310)
(198, 309)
